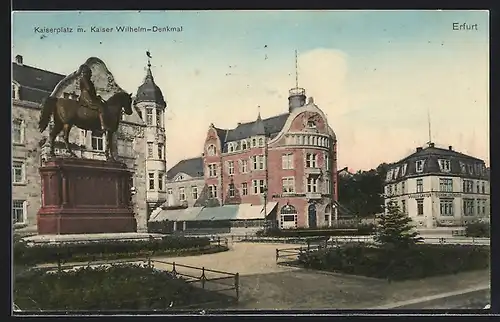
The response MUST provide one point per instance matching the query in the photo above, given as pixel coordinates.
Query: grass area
(116, 287)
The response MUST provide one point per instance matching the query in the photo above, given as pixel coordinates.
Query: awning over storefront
(269, 208)
(186, 214)
(226, 212)
(249, 212)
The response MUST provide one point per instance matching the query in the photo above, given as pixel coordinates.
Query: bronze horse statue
(68, 113)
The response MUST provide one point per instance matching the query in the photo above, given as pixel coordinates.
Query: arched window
(230, 147)
(211, 150)
(288, 217)
(261, 142)
(328, 213)
(328, 209)
(254, 143)
(244, 145)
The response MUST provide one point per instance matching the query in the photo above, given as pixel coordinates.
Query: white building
(439, 187)
(149, 102)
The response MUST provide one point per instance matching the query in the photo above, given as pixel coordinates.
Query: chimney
(419, 149)
(19, 59)
(450, 148)
(238, 124)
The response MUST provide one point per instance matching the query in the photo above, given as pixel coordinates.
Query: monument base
(81, 196)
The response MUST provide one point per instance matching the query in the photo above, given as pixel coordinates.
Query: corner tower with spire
(151, 104)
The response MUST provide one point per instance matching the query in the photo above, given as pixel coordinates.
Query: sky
(379, 76)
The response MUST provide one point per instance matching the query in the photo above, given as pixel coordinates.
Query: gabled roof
(35, 84)
(192, 167)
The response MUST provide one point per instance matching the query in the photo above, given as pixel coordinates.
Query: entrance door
(312, 216)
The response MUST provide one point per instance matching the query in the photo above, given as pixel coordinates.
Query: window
(403, 169)
(244, 145)
(17, 131)
(478, 190)
(149, 116)
(311, 159)
(396, 189)
(151, 179)
(471, 169)
(160, 151)
(395, 174)
(446, 207)
(312, 185)
(468, 186)
(420, 185)
(169, 191)
(389, 190)
(158, 117)
(180, 177)
(445, 165)
(97, 142)
(212, 170)
(483, 187)
(327, 162)
(231, 190)
(420, 207)
(160, 181)
(311, 124)
(254, 143)
(258, 186)
(327, 185)
(288, 185)
(445, 184)
(194, 192)
(230, 147)
(403, 206)
(18, 211)
(211, 150)
(230, 167)
(287, 161)
(483, 206)
(463, 167)
(388, 176)
(128, 148)
(468, 205)
(419, 165)
(244, 188)
(244, 166)
(261, 142)
(150, 150)
(258, 162)
(403, 187)
(182, 194)
(17, 172)
(212, 191)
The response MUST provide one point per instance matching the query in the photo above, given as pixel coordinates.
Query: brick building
(287, 164)
(30, 147)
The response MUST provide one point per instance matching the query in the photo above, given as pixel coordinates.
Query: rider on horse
(89, 97)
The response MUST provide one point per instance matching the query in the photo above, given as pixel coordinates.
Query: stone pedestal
(81, 196)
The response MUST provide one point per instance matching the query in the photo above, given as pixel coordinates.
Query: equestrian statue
(89, 112)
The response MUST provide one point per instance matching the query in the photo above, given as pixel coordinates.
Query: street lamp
(266, 222)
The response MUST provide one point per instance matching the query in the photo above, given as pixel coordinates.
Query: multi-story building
(288, 161)
(439, 187)
(30, 147)
(151, 105)
(185, 182)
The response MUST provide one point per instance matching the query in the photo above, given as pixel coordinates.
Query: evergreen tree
(394, 229)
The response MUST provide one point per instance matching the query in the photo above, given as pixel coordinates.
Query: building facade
(185, 183)
(30, 148)
(439, 187)
(286, 163)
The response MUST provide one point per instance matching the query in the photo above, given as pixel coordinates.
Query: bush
(362, 230)
(31, 255)
(417, 261)
(477, 229)
(119, 287)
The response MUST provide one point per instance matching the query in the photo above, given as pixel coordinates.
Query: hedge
(418, 261)
(47, 253)
(477, 229)
(118, 287)
(362, 230)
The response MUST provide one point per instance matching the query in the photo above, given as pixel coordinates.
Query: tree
(394, 229)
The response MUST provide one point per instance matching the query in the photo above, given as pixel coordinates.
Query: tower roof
(149, 91)
(258, 127)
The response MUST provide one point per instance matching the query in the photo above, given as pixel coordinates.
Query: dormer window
(311, 124)
(403, 169)
(244, 145)
(254, 143)
(230, 147)
(463, 167)
(444, 165)
(211, 150)
(419, 166)
(179, 178)
(261, 142)
(471, 169)
(389, 175)
(395, 174)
